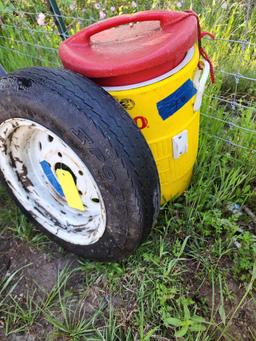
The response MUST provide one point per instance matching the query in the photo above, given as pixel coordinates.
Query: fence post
(59, 21)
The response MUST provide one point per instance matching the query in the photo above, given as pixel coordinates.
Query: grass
(194, 278)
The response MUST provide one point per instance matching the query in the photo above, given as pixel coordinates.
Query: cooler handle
(200, 84)
(164, 17)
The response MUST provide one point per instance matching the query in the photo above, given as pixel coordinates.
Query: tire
(62, 121)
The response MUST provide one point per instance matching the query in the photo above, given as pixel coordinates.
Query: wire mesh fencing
(29, 36)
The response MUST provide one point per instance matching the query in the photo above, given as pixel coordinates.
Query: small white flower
(179, 4)
(134, 4)
(72, 6)
(112, 8)
(102, 15)
(237, 244)
(224, 5)
(41, 19)
(97, 5)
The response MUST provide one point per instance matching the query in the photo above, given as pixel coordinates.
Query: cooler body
(164, 112)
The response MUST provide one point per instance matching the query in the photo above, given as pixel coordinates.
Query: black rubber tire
(103, 135)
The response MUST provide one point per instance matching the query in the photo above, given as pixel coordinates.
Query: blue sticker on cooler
(51, 177)
(169, 105)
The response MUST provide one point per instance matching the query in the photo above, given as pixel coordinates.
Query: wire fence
(29, 36)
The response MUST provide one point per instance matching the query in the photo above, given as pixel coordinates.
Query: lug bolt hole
(60, 155)
(96, 200)
(81, 173)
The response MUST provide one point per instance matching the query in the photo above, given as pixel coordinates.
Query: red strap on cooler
(205, 55)
(201, 49)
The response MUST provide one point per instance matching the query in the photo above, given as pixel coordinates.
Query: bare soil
(244, 322)
(39, 275)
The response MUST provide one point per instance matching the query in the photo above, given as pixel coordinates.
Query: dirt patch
(2, 336)
(37, 276)
(37, 268)
(21, 338)
(241, 327)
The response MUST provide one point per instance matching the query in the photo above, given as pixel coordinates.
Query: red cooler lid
(129, 49)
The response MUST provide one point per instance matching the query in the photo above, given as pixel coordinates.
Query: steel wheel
(29, 159)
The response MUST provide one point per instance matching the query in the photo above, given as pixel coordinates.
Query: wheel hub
(46, 175)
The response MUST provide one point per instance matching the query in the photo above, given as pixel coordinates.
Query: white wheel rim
(24, 145)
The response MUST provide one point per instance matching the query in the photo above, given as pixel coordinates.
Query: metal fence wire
(31, 31)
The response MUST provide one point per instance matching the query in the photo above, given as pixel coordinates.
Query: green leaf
(174, 321)
(222, 314)
(150, 333)
(254, 272)
(181, 332)
(198, 319)
(197, 328)
(186, 312)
